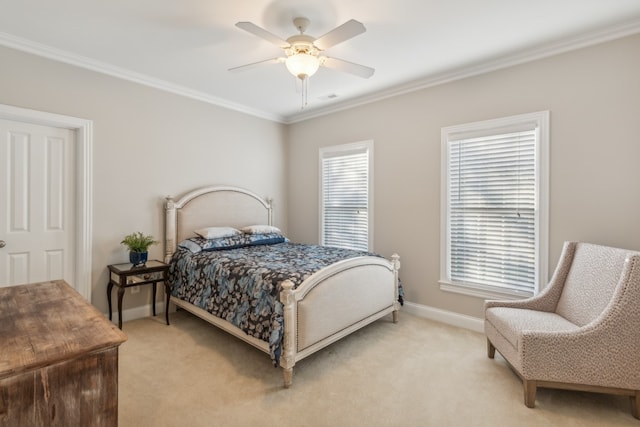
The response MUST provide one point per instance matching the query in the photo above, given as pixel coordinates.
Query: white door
(37, 170)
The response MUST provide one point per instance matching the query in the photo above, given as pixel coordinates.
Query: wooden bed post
(270, 210)
(169, 228)
(395, 260)
(288, 357)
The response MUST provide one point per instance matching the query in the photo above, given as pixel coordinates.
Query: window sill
(482, 291)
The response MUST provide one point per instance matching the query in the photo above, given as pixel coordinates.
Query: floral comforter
(242, 285)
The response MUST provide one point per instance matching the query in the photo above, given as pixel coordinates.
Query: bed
(310, 309)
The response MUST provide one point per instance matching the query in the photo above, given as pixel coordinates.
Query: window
(345, 195)
(495, 197)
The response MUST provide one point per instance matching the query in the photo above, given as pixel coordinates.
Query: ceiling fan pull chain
(305, 91)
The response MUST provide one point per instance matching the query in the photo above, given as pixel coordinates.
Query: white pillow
(216, 232)
(260, 229)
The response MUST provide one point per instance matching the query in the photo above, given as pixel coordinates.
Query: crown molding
(39, 49)
(521, 57)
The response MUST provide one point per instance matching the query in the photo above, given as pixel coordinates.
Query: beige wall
(594, 98)
(169, 144)
(147, 144)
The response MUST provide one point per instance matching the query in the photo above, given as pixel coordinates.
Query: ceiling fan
(304, 54)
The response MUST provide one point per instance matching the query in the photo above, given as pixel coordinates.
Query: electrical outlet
(135, 289)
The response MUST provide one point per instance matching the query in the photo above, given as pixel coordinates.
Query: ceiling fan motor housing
(301, 44)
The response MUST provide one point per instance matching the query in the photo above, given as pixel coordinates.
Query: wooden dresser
(58, 358)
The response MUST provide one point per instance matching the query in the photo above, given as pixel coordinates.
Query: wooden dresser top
(46, 323)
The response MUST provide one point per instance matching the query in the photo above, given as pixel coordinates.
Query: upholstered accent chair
(581, 332)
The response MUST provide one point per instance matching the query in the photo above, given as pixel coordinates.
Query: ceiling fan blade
(348, 67)
(255, 64)
(262, 33)
(339, 34)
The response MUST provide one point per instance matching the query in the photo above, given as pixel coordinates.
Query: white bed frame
(327, 306)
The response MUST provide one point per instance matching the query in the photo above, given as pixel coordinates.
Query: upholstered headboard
(214, 206)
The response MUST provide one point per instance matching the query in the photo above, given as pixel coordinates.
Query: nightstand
(126, 275)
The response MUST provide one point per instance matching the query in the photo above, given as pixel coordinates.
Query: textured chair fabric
(582, 332)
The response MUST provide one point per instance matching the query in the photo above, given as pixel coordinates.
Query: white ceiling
(187, 46)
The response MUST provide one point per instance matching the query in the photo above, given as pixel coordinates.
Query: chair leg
(635, 405)
(491, 350)
(530, 388)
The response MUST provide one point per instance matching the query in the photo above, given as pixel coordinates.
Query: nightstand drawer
(158, 275)
(140, 278)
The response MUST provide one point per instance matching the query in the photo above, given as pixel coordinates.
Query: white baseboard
(138, 312)
(431, 313)
(444, 316)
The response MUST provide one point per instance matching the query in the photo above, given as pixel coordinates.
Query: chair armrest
(593, 355)
(547, 299)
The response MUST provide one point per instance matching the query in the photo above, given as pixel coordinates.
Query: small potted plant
(138, 244)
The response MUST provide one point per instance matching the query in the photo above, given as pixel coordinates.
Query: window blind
(345, 199)
(492, 210)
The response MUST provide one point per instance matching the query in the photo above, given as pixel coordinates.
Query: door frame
(83, 183)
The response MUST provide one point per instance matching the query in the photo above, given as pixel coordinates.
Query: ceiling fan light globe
(302, 65)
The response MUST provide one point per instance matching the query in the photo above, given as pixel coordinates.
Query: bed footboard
(335, 302)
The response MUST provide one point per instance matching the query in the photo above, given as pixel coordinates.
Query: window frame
(342, 150)
(494, 127)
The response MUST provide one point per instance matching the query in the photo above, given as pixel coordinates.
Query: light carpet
(413, 373)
